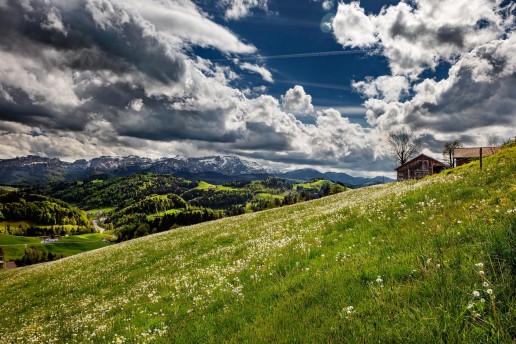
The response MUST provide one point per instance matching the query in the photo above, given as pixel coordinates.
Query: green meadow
(429, 261)
(14, 246)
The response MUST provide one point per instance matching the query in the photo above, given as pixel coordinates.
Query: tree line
(35, 255)
(20, 206)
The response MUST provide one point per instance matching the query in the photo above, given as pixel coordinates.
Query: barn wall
(417, 169)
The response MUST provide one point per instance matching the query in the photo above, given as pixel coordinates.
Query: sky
(287, 83)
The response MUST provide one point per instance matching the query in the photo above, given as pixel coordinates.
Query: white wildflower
(476, 293)
(479, 265)
(489, 291)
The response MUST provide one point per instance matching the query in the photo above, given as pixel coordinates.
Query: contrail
(302, 55)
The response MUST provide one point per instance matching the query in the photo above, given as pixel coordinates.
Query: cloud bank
(80, 78)
(475, 38)
(83, 78)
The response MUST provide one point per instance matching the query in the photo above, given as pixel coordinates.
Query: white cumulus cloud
(237, 9)
(352, 27)
(297, 101)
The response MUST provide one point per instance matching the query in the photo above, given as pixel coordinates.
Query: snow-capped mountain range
(215, 169)
(37, 170)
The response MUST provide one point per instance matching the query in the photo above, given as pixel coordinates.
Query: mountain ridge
(34, 170)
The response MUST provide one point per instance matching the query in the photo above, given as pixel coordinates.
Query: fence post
(480, 158)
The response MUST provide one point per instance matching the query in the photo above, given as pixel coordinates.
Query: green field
(170, 211)
(316, 184)
(6, 239)
(8, 188)
(14, 246)
(206, 186)
(431, 261)
(268, 196)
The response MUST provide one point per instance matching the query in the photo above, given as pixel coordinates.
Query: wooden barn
(419, 167)
(466, 155)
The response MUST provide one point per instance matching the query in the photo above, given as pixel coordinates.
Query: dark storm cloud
(169, 124)
(260, 136)
(472, 102)
(93, 59)
(446, 34)
(25, 110)
(70, 39)
(451, 35)
(123, 42)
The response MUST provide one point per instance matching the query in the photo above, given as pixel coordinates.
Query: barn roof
(418, 158)
(474, 152)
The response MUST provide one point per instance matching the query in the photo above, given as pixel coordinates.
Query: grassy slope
(290, 274)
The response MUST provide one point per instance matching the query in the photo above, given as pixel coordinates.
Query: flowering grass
(404, 262)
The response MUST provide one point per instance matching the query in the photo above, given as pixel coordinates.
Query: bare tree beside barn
(449, 152)
(403, 144)
(493, 141)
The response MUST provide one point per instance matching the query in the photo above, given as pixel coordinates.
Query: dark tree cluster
(39, 209)
(217, 199)
(153, 205)
(139, 225)
(32, 230)
(33, 255)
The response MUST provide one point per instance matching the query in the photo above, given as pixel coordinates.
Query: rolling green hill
(147, 203)
(432, 261)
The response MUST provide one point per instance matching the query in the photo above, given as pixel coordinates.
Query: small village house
(419, 167)
(49, 239)
(463, 156)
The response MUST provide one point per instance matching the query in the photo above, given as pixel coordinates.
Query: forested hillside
(142, 204)
(115, 192)
(36, 211)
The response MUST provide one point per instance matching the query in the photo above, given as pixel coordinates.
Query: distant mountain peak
(34, 169)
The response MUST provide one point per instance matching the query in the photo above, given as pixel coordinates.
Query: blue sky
(294, 27)
(157, 78)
